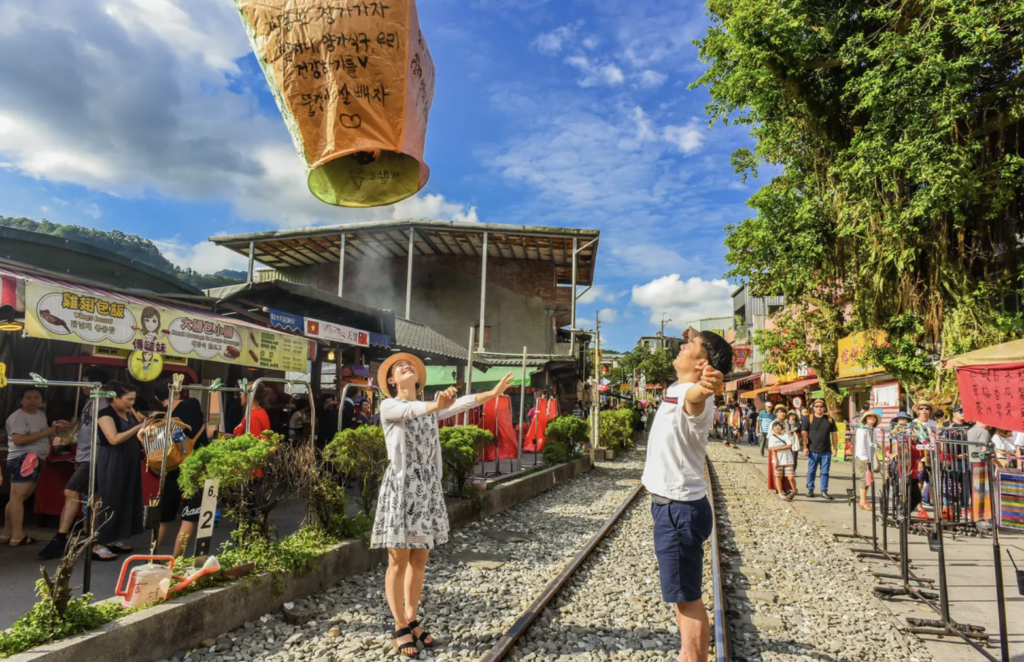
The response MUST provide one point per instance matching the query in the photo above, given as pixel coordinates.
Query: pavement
(969, 567)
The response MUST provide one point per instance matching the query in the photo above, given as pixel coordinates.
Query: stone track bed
(465, 606)
(793, 592)
(611, 608)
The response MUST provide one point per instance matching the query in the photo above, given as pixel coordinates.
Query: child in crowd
(780, 444)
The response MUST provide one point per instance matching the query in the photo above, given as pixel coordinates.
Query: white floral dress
(411, 512)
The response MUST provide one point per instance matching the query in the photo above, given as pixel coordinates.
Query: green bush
(616, 429)
(232, 461)
(555, 452)
(361, 453)
(570, 431)
(460, 447)
(44, 623)
(256, 474)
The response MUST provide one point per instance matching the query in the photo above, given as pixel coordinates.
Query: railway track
(720, 628)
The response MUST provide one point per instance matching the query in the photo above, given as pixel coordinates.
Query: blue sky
(152, 116)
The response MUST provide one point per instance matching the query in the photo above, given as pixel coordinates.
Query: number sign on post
(207, 514)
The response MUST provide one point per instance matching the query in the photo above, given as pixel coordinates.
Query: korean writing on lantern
(85, 304)
(329, 13)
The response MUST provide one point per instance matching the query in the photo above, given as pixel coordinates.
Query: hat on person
(903, 415)
(924, 403)
(871, 414)
(778, 423)
(781, 407)
(821, 400)
(958, 409)
(385, 368)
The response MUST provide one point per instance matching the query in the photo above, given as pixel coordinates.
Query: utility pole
(595, 409)
(663, 323)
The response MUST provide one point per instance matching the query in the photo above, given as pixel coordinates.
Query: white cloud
(434, 207)
(688, 138)
(45, 209)
(204, 257)
(596, 293)
(91, 209)
(650, 79)
(596, 73)
(609, 315)
(685, 301)
(648, 259)
(146, 97)
(590, 43)
(551, 43)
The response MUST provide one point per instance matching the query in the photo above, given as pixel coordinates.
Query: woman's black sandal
(423, 637)
(403, 649)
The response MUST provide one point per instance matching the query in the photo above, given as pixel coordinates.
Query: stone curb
(162, 630)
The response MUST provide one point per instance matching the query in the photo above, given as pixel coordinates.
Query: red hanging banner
(993, 394)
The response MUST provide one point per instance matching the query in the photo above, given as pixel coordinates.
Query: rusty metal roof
(390, 239)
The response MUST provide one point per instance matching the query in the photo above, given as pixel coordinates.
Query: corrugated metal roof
(415, 337)
(390, 239)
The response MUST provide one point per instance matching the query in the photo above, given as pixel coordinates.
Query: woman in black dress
(118, 473)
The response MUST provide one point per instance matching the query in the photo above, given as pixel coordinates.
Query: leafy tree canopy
(894, 133)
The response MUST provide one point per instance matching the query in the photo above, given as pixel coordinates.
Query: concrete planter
(609, 454)
(162, 630)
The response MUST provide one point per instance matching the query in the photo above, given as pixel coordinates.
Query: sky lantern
(354, 81)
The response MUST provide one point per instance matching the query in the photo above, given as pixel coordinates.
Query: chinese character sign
(335, 332)
(354, 81)
(101, 319)
(993, 395)
(851, 350)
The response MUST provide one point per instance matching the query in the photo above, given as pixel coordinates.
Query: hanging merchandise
(498, 421)
(534, 442)
(354, 82)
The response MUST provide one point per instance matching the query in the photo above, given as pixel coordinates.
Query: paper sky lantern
(354, 81)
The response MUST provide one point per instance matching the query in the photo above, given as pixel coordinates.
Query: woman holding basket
(411, 514)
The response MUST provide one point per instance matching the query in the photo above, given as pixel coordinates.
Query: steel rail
(505, 645)
(723, 647)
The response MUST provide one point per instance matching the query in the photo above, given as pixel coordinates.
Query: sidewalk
(969, 567)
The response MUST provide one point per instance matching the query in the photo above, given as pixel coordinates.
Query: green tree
(895, 130)
(131, 246)
(363, 453)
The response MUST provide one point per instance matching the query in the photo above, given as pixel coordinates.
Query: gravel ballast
(466, 606)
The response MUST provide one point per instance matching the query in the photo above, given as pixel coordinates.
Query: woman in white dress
(863, 453)
(411, 516)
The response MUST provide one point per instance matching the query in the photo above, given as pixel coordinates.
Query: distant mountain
(130, 245)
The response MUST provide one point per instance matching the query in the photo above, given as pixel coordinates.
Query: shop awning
(1007, 352)
(750, 395)
(795, 388)
(303, 301)
(75, 310)
(440, 376)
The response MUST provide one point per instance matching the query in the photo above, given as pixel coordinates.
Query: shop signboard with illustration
(102, 319)
(851, 349)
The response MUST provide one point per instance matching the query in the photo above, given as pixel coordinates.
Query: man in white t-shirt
(674, 475)
(28, 446)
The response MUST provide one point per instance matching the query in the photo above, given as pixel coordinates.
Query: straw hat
(924, 403)
(873, 415)
(385, 368)
(781, 407)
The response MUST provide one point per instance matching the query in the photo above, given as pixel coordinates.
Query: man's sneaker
(825, 495)
(55, 548)
(810, 494)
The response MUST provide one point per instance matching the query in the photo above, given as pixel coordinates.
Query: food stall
(57, 324)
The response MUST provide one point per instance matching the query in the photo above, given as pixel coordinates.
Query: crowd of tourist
(31, 438)
(787, 433)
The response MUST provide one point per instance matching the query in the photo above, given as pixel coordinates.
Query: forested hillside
(129, 245)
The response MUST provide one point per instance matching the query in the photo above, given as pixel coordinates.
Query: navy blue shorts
(680, 529)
